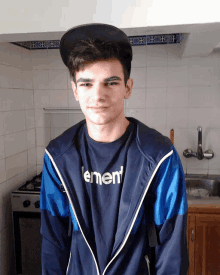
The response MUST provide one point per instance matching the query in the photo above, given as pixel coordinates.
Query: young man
(113, 196)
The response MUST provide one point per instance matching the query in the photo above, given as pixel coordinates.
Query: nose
(98, 92)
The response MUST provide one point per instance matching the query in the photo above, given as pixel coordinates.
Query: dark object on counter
(172, 135)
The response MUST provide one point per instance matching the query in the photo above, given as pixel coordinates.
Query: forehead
(101, 67)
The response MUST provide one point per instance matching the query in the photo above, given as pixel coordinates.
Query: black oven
(26, 224)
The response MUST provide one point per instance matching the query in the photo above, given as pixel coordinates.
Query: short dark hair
(89, 51)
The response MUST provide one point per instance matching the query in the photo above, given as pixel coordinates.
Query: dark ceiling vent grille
(135, 41)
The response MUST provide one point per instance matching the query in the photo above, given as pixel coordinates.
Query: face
(101, 91)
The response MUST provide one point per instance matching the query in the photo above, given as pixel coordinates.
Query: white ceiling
(199, 39)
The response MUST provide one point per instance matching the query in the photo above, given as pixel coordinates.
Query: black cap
(100, 31)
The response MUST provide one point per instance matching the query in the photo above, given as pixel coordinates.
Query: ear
(75, 90)
(129, 88)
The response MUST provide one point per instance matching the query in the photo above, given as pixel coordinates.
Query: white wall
(26, 16)
(17, 137)
(169, 92)
(181, 94)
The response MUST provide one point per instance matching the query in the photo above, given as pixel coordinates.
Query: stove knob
(37, 204)
(26, 203)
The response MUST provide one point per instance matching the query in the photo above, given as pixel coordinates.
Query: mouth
(98, 108)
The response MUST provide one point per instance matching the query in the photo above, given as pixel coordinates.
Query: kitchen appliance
(26, 215)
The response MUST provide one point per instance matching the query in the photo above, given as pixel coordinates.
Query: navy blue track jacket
(154, 181)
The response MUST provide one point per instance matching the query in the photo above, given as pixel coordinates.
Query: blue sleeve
(55, 213)
(170, 214)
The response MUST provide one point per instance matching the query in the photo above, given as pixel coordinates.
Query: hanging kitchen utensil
(172, 135)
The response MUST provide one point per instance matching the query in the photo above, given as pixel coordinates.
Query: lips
(98, 109)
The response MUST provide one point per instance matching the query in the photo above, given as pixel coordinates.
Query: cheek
(82, 100)
(119, 97)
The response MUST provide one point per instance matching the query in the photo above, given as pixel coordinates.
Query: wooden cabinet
(191, 242)
(203, 238)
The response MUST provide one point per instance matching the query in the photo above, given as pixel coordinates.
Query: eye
(85, 84)
(112, 83)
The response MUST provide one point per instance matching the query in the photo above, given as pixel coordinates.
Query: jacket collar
(152, 144)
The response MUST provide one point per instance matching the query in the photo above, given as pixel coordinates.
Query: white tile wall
(41, 79)
(6, 77)
(58, 120)
(156, 56)
(170, 92)
(156, 118)
(59, 97)
(198, 117)
(58, 79)
(155, 97)
(41, 98)
(15, 143)
(9, 121)
(200, 97)
(54, 60)
(39, 59)
(156, 77)
(176, 96)
(137, 99)
(177, 76)
(17, 138)
(139, 57)
(138, 75)
(176, 118)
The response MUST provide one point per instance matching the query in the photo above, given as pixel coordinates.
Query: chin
(100, 120)
(103, 118)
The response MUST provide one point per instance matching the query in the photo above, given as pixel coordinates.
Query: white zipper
(68, 263)
(148, 263)
(169, 154)
(72, 209)
(122, 245)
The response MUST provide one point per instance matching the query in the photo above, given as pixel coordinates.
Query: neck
(108, 132)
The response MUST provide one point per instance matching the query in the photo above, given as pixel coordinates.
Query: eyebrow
(81, 79)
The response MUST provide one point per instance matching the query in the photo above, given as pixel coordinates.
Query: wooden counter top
(209, 205)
